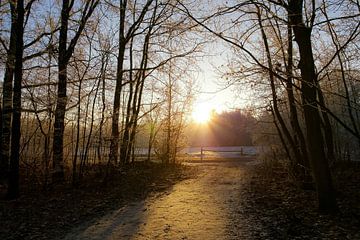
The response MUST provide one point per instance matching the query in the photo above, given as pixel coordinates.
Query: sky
(213, 94)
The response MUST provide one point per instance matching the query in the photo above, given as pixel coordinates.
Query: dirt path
(199, 208)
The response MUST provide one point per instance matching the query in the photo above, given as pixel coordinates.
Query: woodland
(234, 128)
(84, 83)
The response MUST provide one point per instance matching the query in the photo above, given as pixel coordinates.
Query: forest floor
(53, 213)
(234, 199)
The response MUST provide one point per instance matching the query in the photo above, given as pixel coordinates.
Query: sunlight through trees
(94, 86)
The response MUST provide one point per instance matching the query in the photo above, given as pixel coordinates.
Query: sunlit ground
(196, 209)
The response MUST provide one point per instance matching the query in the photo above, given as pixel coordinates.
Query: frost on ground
(229, 200)
(222, 199)
(200, 208)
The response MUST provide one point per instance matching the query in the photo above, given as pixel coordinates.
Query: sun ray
(202, 113)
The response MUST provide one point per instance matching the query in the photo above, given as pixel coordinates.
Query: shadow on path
(197, 208)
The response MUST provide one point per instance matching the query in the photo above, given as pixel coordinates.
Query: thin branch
(38, 38)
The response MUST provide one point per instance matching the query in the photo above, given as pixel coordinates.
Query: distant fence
(201, 153)
(186, 154)
(203, 150)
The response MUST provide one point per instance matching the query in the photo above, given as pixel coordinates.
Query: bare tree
(18, 12)
(302, 33)
(7, 93)
(124, 38)
(65, 53)
(310, 90)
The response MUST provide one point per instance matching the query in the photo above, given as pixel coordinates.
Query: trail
(199, 208)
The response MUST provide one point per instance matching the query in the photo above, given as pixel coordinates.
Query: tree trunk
(329, 137)
(276, 111)
(13, 190)
(294, 120)
(65, 53)
(77, 142)
(86, 147)
(168, 125)
(125, 145)
(7, 98)
(319, 164)
(283, 142)
(114, 145)
(104, 62)
(58, 142)
(151, 140)
(3, 166)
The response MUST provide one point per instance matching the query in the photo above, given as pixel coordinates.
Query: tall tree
(275, 108)
(7, 95)
(294, 119)
(141, 76)
(124, 38)
(13, 190)
(65, 52)
(309, 83)
(309, 93)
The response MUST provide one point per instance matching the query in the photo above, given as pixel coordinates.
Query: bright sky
(213, 95)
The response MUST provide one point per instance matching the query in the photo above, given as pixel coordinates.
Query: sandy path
(199, 208)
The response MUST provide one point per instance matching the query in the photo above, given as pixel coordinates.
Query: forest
(234, 128)
(84, 83)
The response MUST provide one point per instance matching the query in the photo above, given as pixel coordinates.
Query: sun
(202, 113)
